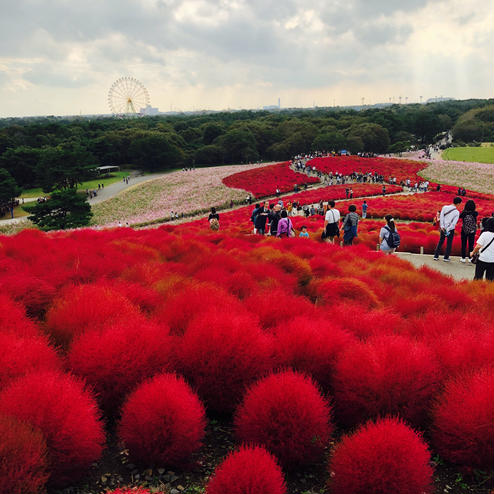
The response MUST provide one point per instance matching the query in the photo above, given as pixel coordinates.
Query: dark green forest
(56, 153)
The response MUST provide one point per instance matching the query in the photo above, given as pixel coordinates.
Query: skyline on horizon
(59, 58)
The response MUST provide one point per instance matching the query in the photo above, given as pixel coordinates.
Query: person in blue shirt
(303, 232)
(364, 209)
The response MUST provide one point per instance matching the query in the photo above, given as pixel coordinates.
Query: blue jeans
(449, 244)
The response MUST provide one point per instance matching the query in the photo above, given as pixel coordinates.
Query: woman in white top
(331, 222)
(485, 248)
(385, 233)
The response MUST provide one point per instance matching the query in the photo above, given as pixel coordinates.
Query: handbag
(476, 256)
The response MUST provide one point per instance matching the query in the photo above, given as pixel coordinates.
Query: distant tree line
(56, 153)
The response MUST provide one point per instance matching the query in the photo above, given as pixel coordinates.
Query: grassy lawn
(479, 155)
(90, 184)
(18, 212)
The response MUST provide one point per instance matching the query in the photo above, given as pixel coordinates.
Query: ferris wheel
(127, 96)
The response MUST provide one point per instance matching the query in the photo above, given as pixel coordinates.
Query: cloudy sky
(62, 56)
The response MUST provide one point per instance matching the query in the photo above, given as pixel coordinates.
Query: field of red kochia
(157, 331)
(263, 182)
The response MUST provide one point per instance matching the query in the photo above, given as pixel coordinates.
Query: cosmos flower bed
(159, 331)
(263, 182)
(388, 167)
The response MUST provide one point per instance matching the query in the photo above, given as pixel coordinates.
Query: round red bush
(382, 457)
(221, 354)
(250, 470)
(20, 356)
(13, 319)
(188, 304)
(66, 414)
(119, 357)
(286, 413)
(386, 375)
(311, 346)
(463, 428)
(86, 307)
(23, 463)
(163, 422)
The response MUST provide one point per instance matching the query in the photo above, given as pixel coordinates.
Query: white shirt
(488, 254)
(332, 216)
(449, 219)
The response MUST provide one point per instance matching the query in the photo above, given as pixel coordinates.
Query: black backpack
(393, 238)
(469, 224)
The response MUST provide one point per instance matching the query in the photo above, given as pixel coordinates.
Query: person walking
(261, 218)
(364, 209)
(468, 228)
(350, 224)
(331, 223)
(485, 249)
(447, 222)
(274, 217)
(285, 226)
(388, 236)
(214, 220)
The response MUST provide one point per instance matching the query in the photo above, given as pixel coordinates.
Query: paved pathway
(454, 268)
(114, 189)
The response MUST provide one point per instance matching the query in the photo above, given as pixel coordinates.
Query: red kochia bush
(221, 354)
(311, 346)
(250, 470)
(66, 414)
(463, 430)
(13, 319)
(20, 356)
(162, 422)
(86, 307)
(119, 357)
(387, 374)
(286, 413)
(382, 457)
(23, 464)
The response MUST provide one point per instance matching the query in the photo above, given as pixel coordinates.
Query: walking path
(454, 268)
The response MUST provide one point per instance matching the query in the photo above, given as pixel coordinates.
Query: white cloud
(58, 56)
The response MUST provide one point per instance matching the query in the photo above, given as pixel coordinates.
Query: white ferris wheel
(127, 96)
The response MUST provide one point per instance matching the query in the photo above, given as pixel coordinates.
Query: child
(303, 232)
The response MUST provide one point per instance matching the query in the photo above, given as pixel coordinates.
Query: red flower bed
(263, 182)
(225, 310)
(388, 167)
(420, 206)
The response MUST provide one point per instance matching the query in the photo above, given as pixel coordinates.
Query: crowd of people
(482, 255)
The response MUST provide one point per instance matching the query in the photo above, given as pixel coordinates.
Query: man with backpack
(447, 222)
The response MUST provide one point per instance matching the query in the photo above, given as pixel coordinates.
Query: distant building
(149, 111)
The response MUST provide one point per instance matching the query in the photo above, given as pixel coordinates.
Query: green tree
(9, 190)
(64, 209)
(153, 151)
(65, 166)
(211, 131)
(329, 141)
(22, 163)
(239, 146)
(209, 155)
(374, 136)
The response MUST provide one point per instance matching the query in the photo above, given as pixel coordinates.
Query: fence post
(421, 249)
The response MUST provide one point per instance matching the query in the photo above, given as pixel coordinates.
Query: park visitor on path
(364, 209)
(468, 228)
(447, 222)
(485, 249)
(350, 224)
(214, 220)
(388, 236)
(331, 223)
(285, 227)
